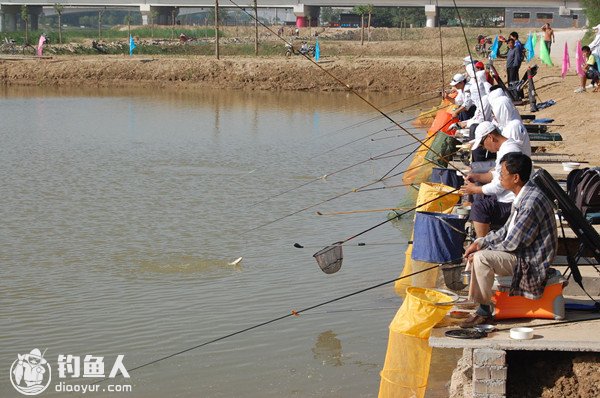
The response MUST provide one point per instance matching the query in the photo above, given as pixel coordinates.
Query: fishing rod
(375, 118)
(361, 244)
(292, 313)
(323, 177)
(398, 215)
(441, 45)
(426, 162)
(347, 86)
(335, 213)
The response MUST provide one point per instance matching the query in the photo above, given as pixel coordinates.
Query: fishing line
(375, 118)
(398, 215)
(386, 187)
(361, 244)
(292, 313)
(367, 136)
(323, 177)
(426, 162)
(350, 89)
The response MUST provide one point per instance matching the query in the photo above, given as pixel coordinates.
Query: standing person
(524, 247)
(548, 36)
(513, 61)
(40, 47)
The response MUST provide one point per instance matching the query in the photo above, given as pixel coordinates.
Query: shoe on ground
(580, 90)
(476, 319)
(591, 85)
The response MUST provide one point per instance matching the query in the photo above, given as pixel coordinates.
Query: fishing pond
(123, 209)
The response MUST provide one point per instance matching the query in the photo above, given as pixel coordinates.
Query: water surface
(121, 210)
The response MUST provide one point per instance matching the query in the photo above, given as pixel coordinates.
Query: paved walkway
(569, 36)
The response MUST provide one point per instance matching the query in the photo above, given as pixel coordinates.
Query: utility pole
(255, 27)
(217, 28)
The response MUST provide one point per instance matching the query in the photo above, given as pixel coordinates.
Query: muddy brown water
(121, 210)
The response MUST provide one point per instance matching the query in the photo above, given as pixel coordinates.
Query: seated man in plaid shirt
(524, 247)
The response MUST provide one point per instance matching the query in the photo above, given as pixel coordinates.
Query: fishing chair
(552, 304)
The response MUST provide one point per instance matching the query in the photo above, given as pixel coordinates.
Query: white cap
(481, 131)
(459, 77)
(467, 60)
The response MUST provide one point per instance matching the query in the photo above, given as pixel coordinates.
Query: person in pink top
(40, 47)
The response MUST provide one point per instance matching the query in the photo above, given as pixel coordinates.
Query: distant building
(536, 17)
(349, 21)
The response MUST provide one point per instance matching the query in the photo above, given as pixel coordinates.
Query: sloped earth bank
(408, 76)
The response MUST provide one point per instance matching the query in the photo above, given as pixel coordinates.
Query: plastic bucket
(439, 237)
(447, 177)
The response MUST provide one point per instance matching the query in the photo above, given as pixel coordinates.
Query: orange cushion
(550, 306)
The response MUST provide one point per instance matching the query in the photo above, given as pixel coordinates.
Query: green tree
(25, 18)
(361, 10)
(329, 15)
(58, 9)
(370, 8)
(592, 11)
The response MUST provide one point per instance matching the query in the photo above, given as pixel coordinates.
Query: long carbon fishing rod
(426, 162)
(376, 157)
(293, 313)
(398, 215)
(348, 87)
(441, 45)
(375, 118)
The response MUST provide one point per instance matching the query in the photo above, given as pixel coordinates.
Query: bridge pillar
(303, 13)
(431, 14)
(161, 15)
(8, 18)
(34, 16)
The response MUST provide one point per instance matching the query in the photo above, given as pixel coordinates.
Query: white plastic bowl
(521, 333)
(570, 166)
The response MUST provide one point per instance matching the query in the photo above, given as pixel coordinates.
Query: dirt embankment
(408, 75)
(390, 66)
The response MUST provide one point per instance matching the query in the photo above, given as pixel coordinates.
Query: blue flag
(494, 49)
(529, 47)
(131, 45)
(317, 51)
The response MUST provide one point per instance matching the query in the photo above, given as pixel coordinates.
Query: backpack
(573, 179)
(588, 191)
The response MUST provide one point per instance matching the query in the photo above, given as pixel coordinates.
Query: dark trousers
(512, 74)
(548, 45)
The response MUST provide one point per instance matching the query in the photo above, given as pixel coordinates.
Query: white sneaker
(580, 90)
(591, 85)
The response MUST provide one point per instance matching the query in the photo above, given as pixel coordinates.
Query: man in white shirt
(494, 208)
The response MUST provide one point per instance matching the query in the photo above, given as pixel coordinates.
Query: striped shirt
(533, 238)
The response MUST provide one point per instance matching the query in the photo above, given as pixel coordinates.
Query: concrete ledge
(579, 335)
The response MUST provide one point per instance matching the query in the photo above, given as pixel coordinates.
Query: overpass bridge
(561, 13)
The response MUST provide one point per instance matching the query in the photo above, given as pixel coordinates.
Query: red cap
(479, 65)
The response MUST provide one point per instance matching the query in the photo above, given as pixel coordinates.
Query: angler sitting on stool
(524, 247)
(494, 207)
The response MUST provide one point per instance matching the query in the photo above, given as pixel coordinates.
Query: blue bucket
(447, 177)
(438, 237)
